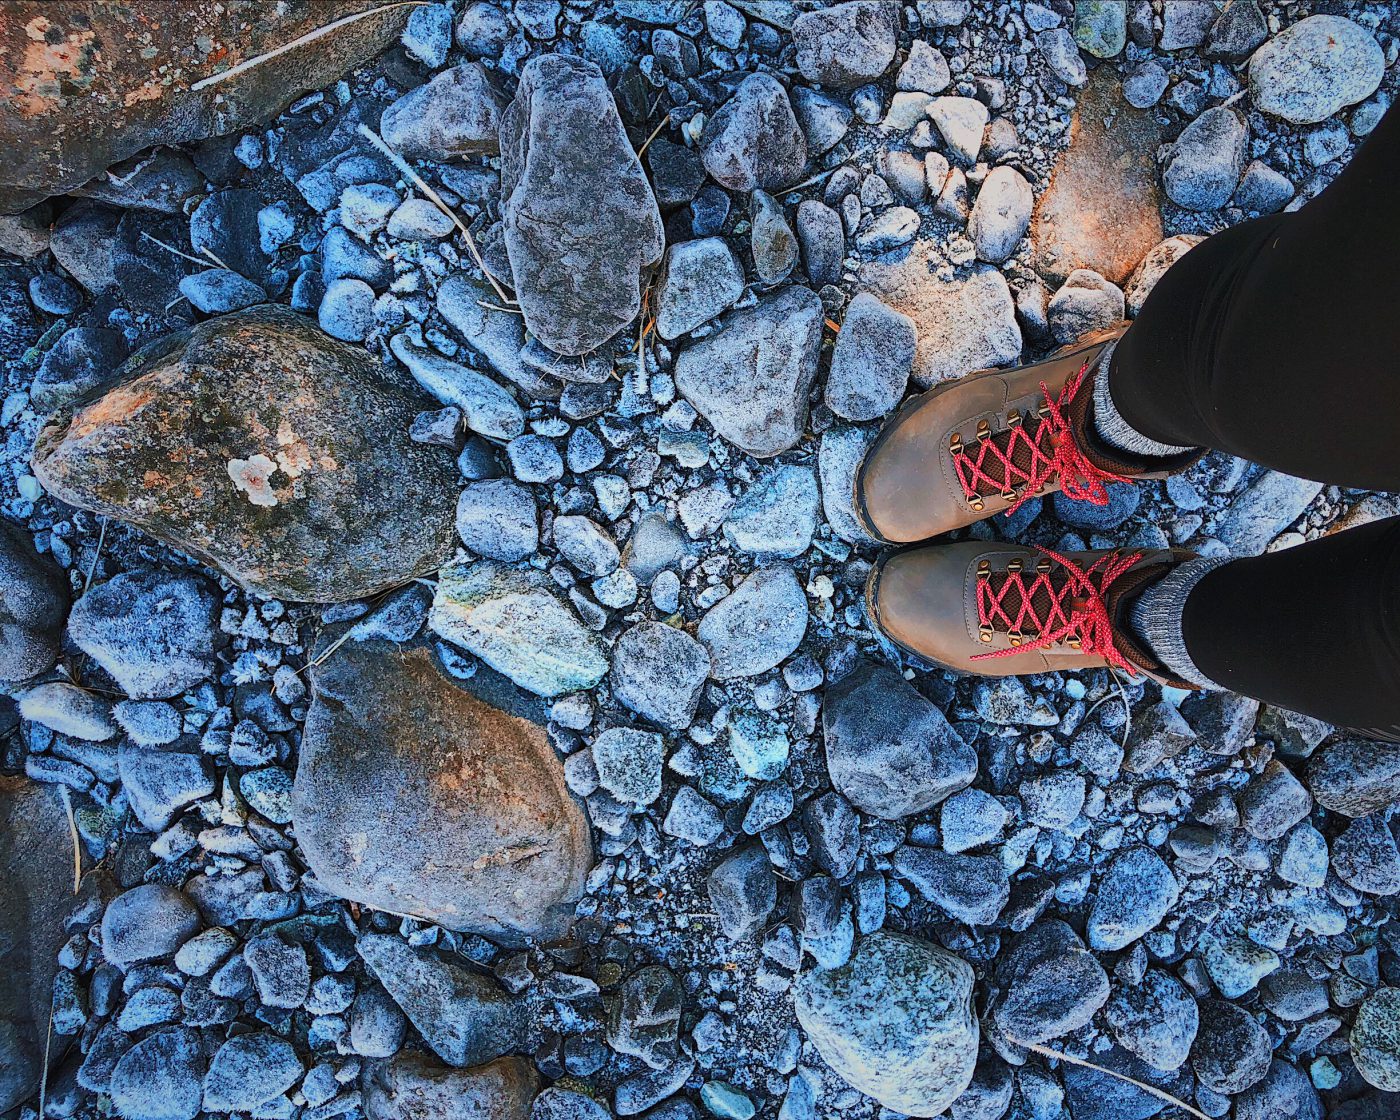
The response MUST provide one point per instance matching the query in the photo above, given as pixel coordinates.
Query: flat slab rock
(1102, 209)
(580, 217)
(270, 451)
(422, 795)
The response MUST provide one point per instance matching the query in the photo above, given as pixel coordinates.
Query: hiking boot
(990, 441)
(1000, 610)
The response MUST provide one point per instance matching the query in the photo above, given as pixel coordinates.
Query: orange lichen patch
(51, 57)
(115, 407)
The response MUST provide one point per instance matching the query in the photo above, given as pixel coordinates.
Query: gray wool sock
(1110, 425)
(1156, 617)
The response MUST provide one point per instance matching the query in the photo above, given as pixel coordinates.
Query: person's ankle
(1155, 618)
(1111, 428)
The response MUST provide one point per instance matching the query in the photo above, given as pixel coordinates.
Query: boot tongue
(1102, 455)
(1119, 600)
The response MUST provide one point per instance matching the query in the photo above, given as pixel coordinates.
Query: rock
(159, 1078)
(386, 816)
(1052, 800)
(92, 101)
(464, 1018)
(286, 492)
(1314, 69)
(644, 1016)
(487, 408)
(226, 224)
(840, 453)
(895, 1022)
(376, 1024)
(750, 379)
(160, 781)
(888, 230)
(1050, 984)
(1144, 87)
(1273, 802)
(147, 922)
(1304, 857)
(1101, 27)
(413, 1087)
(1001, 215)
(971, 818)
(580, 218)
(69, 710)
(756, 626)
(1356, 777)
(888, 749)
(961, 121)
(1263, 190)
(971, 889)
(457, 113)
(497, 519)
(1134, 896)
(1284, 1094)
(1224, 724)
(754, 141)
(1154, 266)
(82, 360)
(249, 1070)
(1185, 23)
(659, 672)
(586, 545)
(1203, 166)
(743, 892)
(417, 219)
(218, 290)
(1375, 1039)
(823, 241)
(693, 819)
(26, 234)
(1236, 966)
(347, 310)
(1155, 1019)
(1240, 28)
(777, 516)
(1061, 52)
(1365, 857)
(1271, 503)
(772, 242)
(1102, 209)
(153, 631)
(33, 604)
(700, 279)
(1232, 1051)
(629, 764)
(36, 894)
(824, 120)
(513, 622)
(871, 361)
(924, 71)
(847, 44)
(1085, 303)
(1094, 1095)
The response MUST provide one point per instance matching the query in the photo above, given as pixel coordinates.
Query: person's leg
(1314, 628)
(1277, 340)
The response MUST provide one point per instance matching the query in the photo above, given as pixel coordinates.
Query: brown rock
(412, 1086)
(1102, 210)
(90, 82)
(443, 799)
(268, 450)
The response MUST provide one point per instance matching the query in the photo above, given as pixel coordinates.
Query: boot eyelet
(985, 633)
(1015, 637)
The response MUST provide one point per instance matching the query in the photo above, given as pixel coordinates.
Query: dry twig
(1161, 1094)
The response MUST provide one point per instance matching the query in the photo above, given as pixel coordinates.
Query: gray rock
(82, 359)
(771, 240)
(925, 70)
(217, 290)
(964, 324)
(1050, 984)
(1155, 1019)
(700, 279)
(1365, 857)
(1303, 859)
(1059, 49)
(871, 361)
(824, 119)
(1144, 87)
(743, 891)
(160, 781)
(629, 764)
(1356, 777)
(888, 230)
(1315, 68)
(498, 520)
(1085, 302)
(457, 113)
(693, 819)
(1240, 28)
(377, 1025)
(659, 672)
(148, 922)
(498, 336)
(1186, 22)
(159, 1078)
(413, 1087)
(464, 1018)
(586, 545)
(343, 254)
(969, 819)
(847, 44)
(580, 218)
(1001, 215)
(1232, 1051)
(750, 379)
(69, 710)
(1262, 189)
(1273, 802)
(1203, 167)
(417, 219)
(153, 631)
(777, 516)
(33, 603)
(249, 1070)
(888, 749)
(1375, 1039)
(754, 141)
(823, 241)
(1235, 965)
(279, 969)
(1223, 723)
(644, 1016)
(1101, 27)
(516, 624)
(1154, 266)
(1284, 1094)
(385, 818)
(347, 310)
(839, 455)
(1052, 800)
(1133, 897)
(756, 626)
(961, 121)
(971, 889)
(1272, 502)
(896, 1022)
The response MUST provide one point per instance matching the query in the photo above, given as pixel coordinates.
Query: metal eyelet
(1015, 637)
(975, 503)
(985, 633)
(984, 429)
(1014, 565)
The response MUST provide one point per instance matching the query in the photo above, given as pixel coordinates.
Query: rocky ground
(474, 543)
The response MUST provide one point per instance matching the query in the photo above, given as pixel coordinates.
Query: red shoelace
(1057, 601)
(1018, 460)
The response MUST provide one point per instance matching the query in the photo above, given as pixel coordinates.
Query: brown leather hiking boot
(1000, 610)
(990, 441)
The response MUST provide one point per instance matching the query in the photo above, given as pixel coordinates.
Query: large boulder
(419, 794)
(33, 602)
(890, 750)
(36, 893)
(411, 1086)
(93, 82)
(267, 449)
(895, 1022)
(580, 219)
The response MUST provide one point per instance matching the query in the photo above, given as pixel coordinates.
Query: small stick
(208, 252)
(655, 133)
(1146, 1088)
(436, 199)
(172, 249)
(101, 538)
(301, 40)
(73, 835)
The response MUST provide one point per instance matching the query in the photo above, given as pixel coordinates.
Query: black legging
(1278, 340)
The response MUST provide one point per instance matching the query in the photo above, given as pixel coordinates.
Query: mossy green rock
(267, 449)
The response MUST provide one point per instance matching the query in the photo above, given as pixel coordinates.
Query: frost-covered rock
(456, 113)
(1315, 68)
(700, 279)
(1050, 984)
(1001, 214)
(871, 361)
(1133, 897)
(33, 603)
(659, 672)
(756, 626)
(147, 922)
(412, 1086)
(1155, 1019)
(497, 519)
(1203, 167)
(754, 141)
(847, 44)
(777, 516)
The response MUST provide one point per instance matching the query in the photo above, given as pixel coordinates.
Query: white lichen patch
(251, 476)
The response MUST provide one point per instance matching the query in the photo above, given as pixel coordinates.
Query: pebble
(1232, 1051)
(1203, 167)
(1061, 52)
(1365, 857)
(971, 889)
(743, 891)
(1236, 966)
(1356, 777)
(534, 459)
(924, 70)
(250, 1070)
(692, 818)
(628, 763)
(1052, 800)
(847, 44)
(699, 280)
(417, 219)
(1051, 985)
(347, 310)
(280, 971)
(756, 626)
(147, 922)
(53, 294)
(456, 114)
(1273, 802)
(1001, 214)
(217, 290)
(777, 517)
(82, 359)
(754, 141)
(659, 672)
(971, 818)
(69, 710)
(1135, 894)
(1375, 1039)
(872, 360)
(1155, 1019)
(159, 1077)
(771, 240)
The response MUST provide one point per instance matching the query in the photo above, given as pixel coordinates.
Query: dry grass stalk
(1162, 1094)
